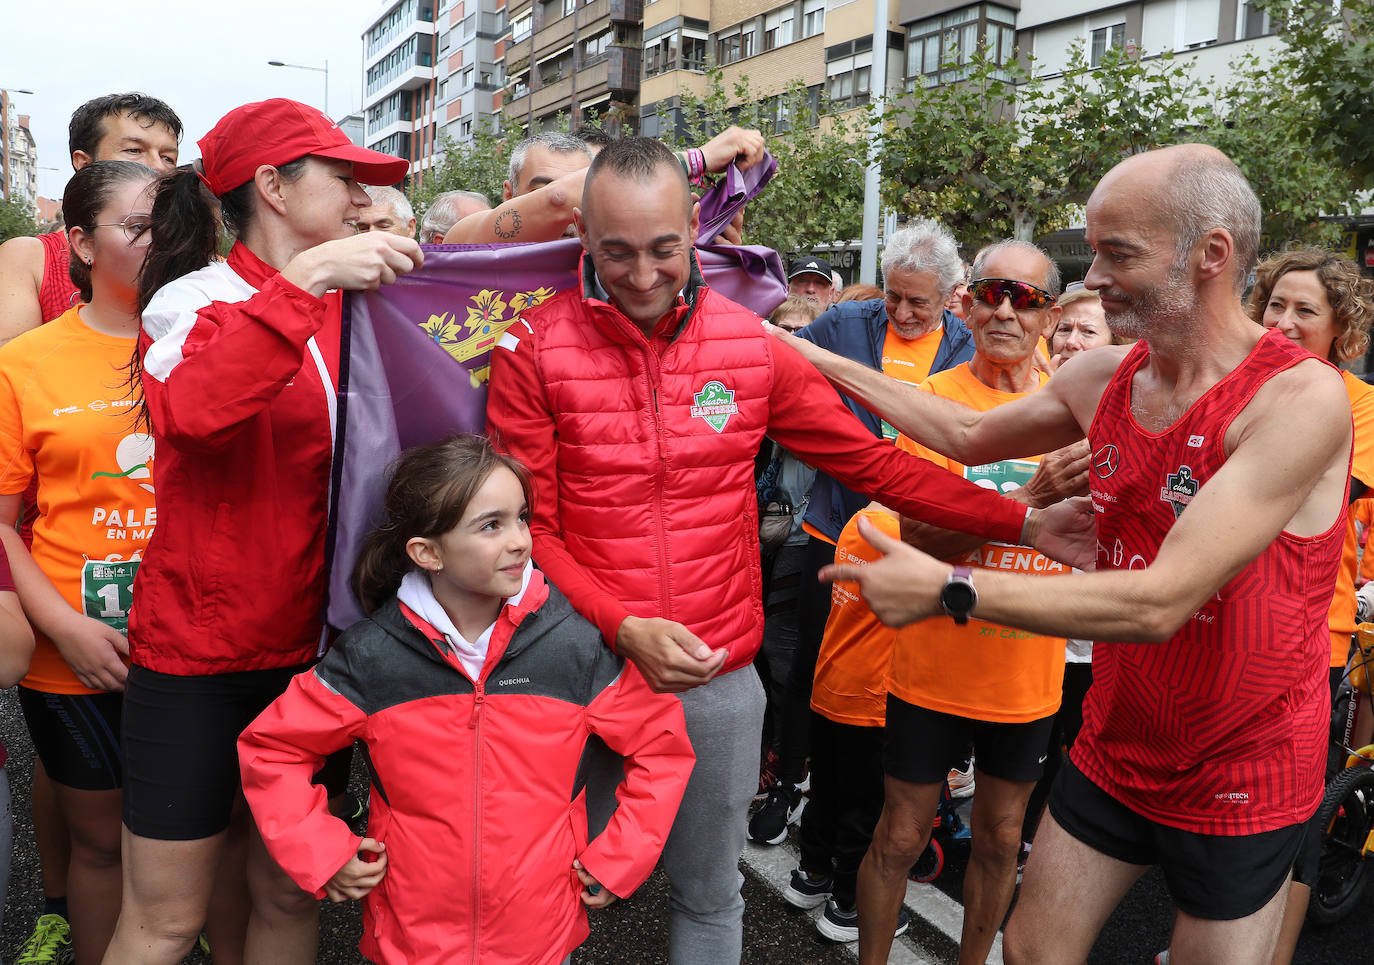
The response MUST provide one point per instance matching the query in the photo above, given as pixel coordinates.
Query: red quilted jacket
(643, 456)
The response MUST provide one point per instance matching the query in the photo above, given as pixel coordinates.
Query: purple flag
(417, 356)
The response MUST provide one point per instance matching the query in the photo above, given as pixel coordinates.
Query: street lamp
(5, 135)
(319, 70)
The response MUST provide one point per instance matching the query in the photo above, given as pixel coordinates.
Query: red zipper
(475, 724)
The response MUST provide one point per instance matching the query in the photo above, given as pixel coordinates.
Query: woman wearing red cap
(240, 363)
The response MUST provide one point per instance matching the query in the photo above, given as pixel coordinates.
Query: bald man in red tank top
(1219, 481)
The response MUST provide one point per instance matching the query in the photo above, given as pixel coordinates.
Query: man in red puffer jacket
(639, 400)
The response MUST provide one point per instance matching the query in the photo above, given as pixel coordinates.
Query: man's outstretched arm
(1234, 516)
(1043, 421)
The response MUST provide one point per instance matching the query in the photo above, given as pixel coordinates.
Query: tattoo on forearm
(508, 224)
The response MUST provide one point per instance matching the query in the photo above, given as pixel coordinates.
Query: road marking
(774, 864)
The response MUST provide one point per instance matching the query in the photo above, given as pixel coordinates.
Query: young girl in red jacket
(474, 686)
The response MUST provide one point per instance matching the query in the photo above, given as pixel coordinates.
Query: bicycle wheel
(929, 865)
(1346, 815)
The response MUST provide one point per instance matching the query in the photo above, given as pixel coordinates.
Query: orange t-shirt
(909, 360)
(851, 670)
(1342, 614)
(982, 671)
(1362, 512)
(67, 415)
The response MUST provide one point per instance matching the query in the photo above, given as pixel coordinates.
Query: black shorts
(922, 745)
(76, 736)
(180, 747)
(1213, 876)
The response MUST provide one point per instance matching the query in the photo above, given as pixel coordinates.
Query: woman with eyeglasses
(66, 418)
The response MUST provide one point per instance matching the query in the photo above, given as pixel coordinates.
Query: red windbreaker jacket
(240, 369)
(643, 451)
(476, 791)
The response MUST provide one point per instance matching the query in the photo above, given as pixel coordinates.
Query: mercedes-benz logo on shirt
(1105, 461)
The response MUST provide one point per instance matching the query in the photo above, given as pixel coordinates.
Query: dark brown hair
(87, 193)
(429, 490)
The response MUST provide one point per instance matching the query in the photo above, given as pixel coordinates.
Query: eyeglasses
(136, 230)
(991, 291)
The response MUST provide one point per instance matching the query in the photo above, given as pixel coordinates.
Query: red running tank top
(57, 293)
(1223, 728)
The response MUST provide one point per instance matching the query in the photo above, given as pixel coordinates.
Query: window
(569, 7)
(938, 47)
(813, 18)
(520, 28)
(1105, 39)
(1252, 22)
(465, 79)
(596, 48)
(520, 86)
(734, 46)
(693, 53)
(777, 28)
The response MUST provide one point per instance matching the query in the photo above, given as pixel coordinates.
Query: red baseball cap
(279, 131)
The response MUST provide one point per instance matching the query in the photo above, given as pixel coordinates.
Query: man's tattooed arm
(507, 224)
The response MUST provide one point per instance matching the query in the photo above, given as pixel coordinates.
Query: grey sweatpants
(724, 718)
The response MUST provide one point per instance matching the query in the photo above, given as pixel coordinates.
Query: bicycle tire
(1345, 817)
(929, 865)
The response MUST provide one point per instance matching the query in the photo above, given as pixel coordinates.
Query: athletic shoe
(51, 942)
(961, 782)
(783, 807)
(806, 890)
(842, 924)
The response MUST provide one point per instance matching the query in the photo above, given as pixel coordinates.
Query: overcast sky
(201, 58)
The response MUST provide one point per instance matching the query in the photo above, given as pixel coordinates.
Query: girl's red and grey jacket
(475, 783)
(240, 369)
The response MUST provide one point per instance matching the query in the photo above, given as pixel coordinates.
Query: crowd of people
(892, 544)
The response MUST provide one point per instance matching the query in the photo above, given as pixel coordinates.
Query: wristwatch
(958, 595)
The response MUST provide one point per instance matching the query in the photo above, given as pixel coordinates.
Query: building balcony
(518, 55)
(555, 35)
(411, 77)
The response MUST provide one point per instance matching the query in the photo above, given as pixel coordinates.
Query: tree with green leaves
(477, 165)
(1007, 151)
(1262, 120)
(16, 220)
(816, 197)
(1328, 57)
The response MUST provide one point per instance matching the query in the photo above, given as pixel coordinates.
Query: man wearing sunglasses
(1219, 472)
(956, 684)
(908, 335)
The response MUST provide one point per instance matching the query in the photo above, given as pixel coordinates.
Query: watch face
(958, 597)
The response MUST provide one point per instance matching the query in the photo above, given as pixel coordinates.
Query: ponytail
(382, 564)
(185, 233)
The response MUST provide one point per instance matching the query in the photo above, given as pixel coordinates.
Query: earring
(90, 262)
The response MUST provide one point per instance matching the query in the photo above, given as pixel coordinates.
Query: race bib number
(107, 591)
(1003, 476)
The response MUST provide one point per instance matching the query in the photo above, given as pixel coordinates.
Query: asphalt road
(634, 932)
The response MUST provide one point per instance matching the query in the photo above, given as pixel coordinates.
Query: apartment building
(575, 58)
(18, 154)
(428, 71)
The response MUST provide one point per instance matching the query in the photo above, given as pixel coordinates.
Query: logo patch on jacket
(1179, 490)
(714, 403)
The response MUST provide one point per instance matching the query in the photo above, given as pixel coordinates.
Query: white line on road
(774, 864)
